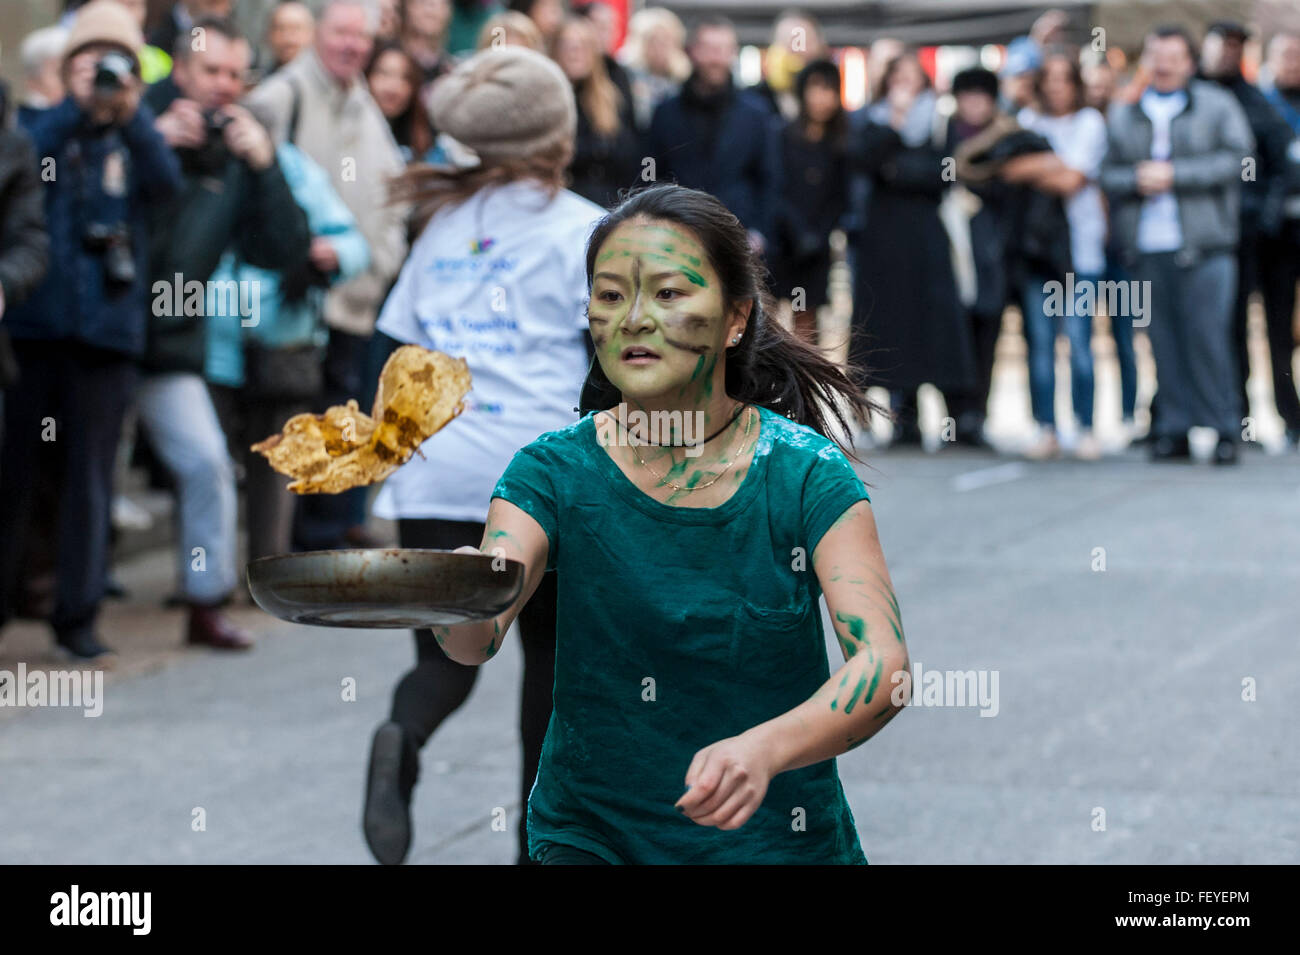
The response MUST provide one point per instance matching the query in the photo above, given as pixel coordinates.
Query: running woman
(695, 718)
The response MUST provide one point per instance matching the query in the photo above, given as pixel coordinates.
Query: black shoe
(1225, 452)
(972, 438)
(83, 647)
(1171, 449)
(386, 821)
(1293, 438)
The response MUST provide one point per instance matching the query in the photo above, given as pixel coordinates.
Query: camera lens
(112, 70)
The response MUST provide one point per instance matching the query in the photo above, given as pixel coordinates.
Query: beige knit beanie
(104, 21)
(506, 103)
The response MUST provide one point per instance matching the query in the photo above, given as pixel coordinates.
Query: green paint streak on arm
(857, 637)
(440, 634)
(875, 680)
(853, 698)
(491, 649)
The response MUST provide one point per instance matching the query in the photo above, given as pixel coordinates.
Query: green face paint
(654, 289)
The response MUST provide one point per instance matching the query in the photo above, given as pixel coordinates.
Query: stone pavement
(1119, 689)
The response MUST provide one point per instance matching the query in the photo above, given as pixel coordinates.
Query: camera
(113, 242)
(216, 122)
(111, 72)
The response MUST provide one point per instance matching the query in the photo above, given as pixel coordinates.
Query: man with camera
(234, 198)
(79, 335)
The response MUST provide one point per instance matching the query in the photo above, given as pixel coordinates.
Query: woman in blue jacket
(282, 313)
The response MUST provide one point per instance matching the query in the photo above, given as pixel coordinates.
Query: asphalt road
(1121, 734)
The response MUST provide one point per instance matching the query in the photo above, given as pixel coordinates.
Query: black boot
(394, 768)
(1171, 449)
(1225, 452)
(83, 646)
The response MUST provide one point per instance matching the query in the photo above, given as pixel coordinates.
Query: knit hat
(104, 21)
(506, 103)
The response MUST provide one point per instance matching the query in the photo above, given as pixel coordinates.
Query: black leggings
(436, 686)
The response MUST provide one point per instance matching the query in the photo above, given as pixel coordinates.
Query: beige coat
(346, 134)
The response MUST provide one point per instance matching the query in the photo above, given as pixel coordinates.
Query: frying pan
(393, 588)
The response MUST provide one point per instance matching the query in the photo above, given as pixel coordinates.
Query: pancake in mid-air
(419, 392)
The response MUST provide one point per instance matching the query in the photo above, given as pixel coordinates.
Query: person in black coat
(976, 94)
(606, 149)
(814, 191)
(1262, 194)
(24, 243)
(909, 326)
(709, 137)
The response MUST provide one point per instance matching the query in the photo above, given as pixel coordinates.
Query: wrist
(776, 741)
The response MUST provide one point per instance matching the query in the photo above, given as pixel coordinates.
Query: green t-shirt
(678, 627)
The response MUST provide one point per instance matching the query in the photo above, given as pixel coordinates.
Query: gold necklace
(663, 479)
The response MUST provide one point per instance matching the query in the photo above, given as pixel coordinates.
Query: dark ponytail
(770, 366)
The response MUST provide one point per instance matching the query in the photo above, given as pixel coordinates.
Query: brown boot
(211, 628)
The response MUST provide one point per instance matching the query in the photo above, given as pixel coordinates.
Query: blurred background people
(180, 20)
(908, 323)
(320, 103)
(1077, 134)
(290, 28)
(510, 28)
(814, 192)
(1098, 85)
(424, 36)
(76, 341)
(796, 40)
(975, 95)
(601, 18)
(24, 243)
(1262, 189)
(1279, 249)
(547, 15)
(395, 79)
(1173, 175)
(467, 20)
(710, 137)
(261, 374)
(607, 149)
(1019, 71)
(42, 58)
(233, 185)
(388, 28)
(655, 58)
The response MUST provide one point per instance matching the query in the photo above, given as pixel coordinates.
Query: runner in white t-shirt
(497, 277)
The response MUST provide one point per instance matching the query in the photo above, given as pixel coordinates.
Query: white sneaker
(129, 516)
(1044, 445)
(1087, 448)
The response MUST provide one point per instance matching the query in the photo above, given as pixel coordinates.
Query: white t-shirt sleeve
(1086, 145)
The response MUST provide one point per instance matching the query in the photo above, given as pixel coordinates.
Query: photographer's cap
(105, 21)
